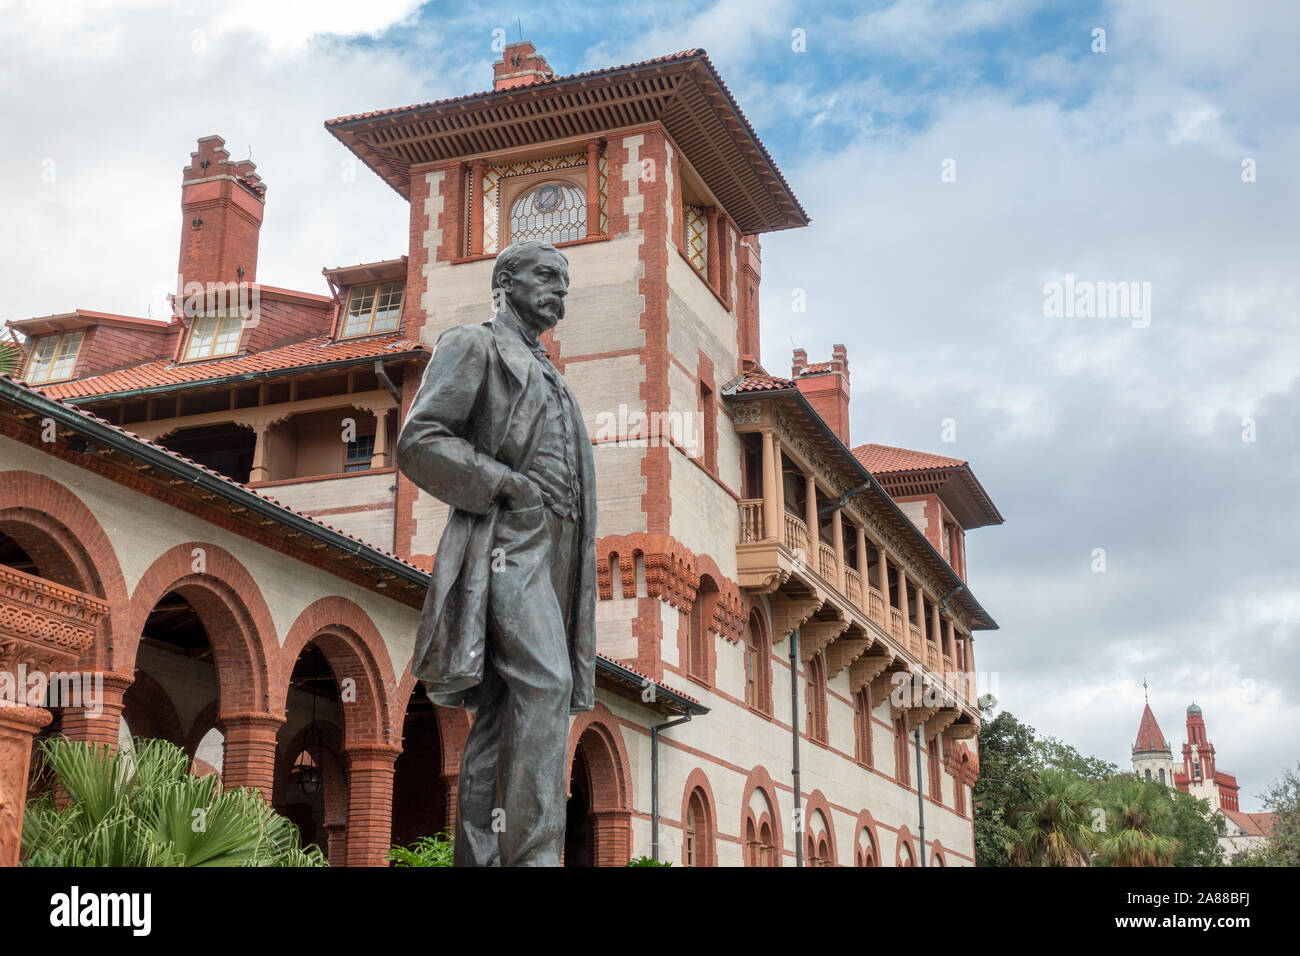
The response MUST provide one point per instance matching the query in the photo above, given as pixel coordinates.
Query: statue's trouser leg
(476, 801)
(529, 652)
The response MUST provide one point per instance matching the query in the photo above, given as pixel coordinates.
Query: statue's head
(533, 278)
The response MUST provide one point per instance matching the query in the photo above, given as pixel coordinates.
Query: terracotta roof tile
(758, 382)
(1149, 736)
(162, 372)
(882, 459)
(1255, 824)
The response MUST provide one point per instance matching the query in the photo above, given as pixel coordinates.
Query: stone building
(1199, 775)
(204, 511)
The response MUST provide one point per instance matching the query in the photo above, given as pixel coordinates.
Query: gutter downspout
(920, 798)
(654, 779)
(794, 739)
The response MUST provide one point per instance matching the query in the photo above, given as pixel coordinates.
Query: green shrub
(426, 851)
(140, 806)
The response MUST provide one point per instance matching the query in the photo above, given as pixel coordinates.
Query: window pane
(201, 336)
(553, 212)
(360, 306)
(42, 358)
(388, 307)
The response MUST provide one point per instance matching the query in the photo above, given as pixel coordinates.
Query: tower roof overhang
(683, 92)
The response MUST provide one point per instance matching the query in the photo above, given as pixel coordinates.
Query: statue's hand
(518, 492)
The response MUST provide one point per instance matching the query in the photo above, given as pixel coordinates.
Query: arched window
(1162, 774)
(901, 769)
(865, 854)
(816, 693)
(552, 212)
(936, 780)
(758, 665)
(862, 725)
(699, 642)
(905, 855)
(698, 839)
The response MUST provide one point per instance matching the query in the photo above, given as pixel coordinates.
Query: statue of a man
(509, 624)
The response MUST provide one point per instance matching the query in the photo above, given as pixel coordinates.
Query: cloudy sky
(955, 159)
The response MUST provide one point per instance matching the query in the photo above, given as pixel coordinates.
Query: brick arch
(760, 779)
(233, 613)
(697, 781)
(816, 802)
(453, 730)
(596, 732)
(56, 516)
(866, 823)
(354, 649)
(905, 840)
(149, 711)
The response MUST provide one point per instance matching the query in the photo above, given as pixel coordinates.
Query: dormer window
(213, 336)
(373, 308)
(53, 357)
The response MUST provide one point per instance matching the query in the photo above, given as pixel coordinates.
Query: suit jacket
(482, 396)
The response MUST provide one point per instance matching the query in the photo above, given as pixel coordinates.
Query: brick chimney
(520, 65)
(221, 215)
(749, 273)
(826, 386)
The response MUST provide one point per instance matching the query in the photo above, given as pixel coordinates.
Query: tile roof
(163, 372)
(83, 413)
(335, 125)
(882, 459)
(1149, 736)
(394, 110)
(816, 368)
(758, 382)
(1255, 824)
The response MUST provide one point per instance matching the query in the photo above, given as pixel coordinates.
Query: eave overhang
(683, 92)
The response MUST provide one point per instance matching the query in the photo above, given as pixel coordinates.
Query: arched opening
(419, 790)
(598, 814)
(578, 822)
(817, 847)
(310, 781)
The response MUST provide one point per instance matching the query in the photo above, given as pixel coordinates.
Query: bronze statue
(509, 624)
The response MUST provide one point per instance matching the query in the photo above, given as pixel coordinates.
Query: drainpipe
(654, 780)
(794, 737)
(920, 798)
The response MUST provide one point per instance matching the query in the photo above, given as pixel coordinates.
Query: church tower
(1153, 758)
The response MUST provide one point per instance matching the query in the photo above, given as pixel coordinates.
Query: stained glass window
(553, 212)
